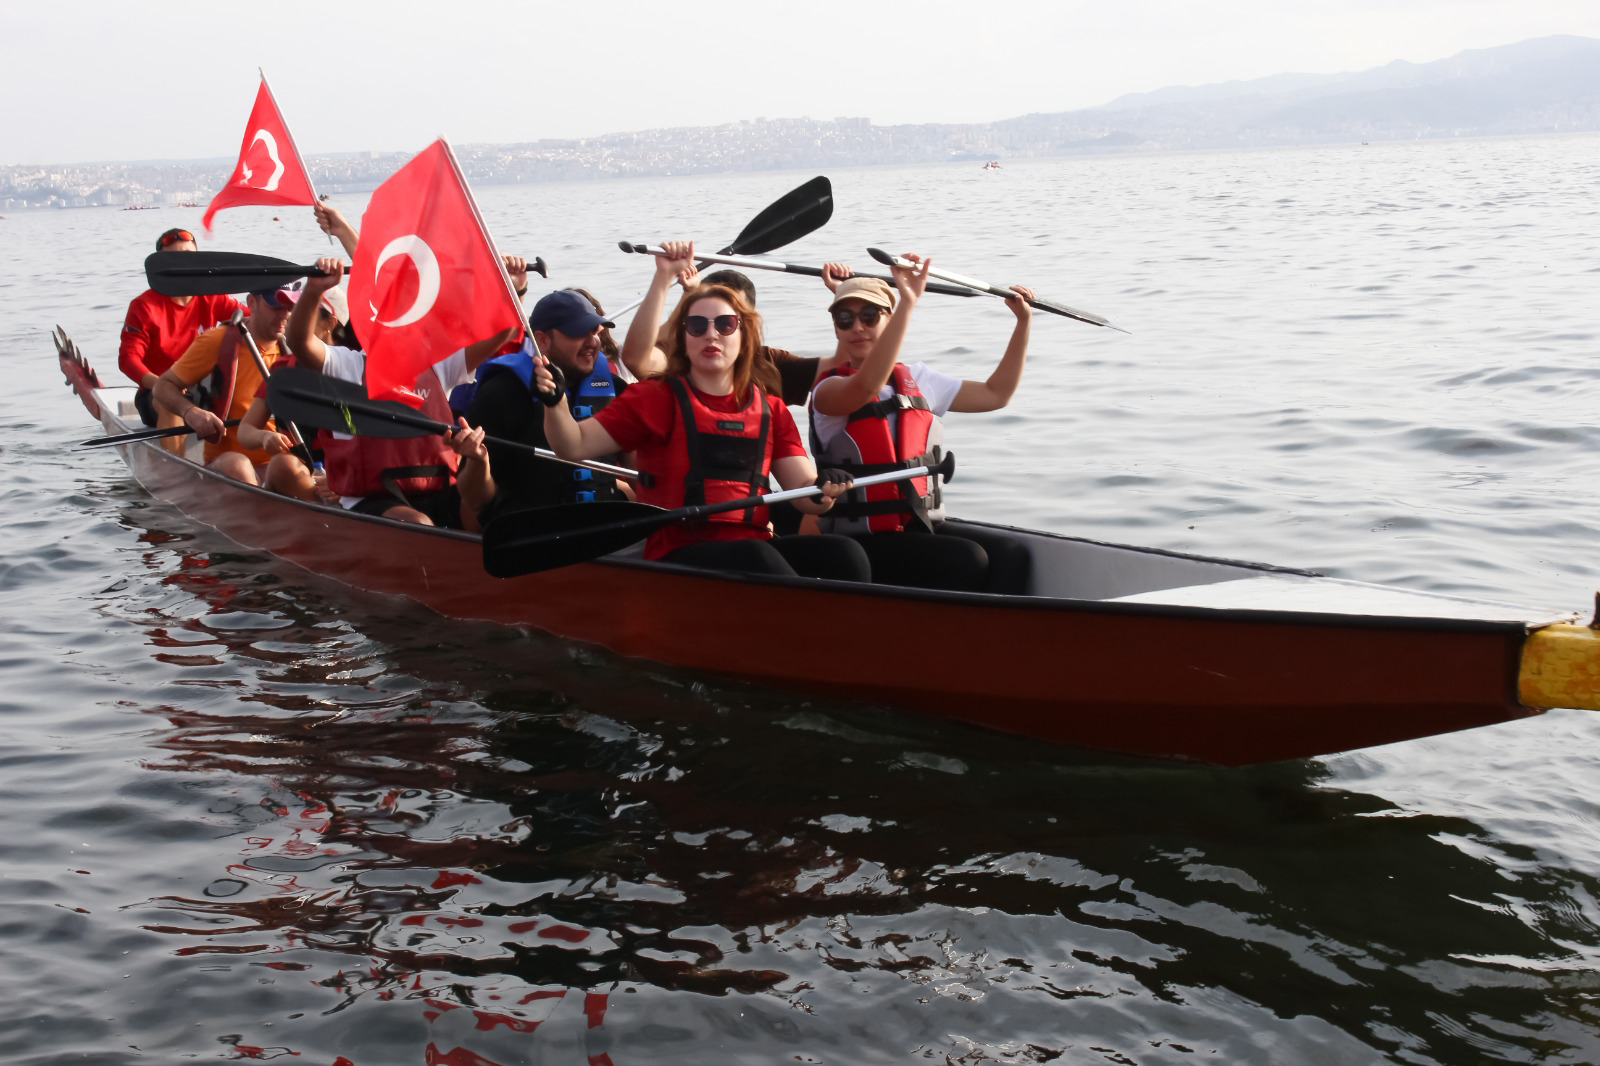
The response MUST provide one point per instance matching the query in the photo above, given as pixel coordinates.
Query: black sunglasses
(696, 325)
(844, 318)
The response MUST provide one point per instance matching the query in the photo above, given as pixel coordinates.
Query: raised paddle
(142, 434)
(802, 210)
(210, 273)
(339, 406)
(750, 263)
(546, 538)
(994, 290)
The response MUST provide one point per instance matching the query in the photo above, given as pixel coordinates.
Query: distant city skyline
(101, 81)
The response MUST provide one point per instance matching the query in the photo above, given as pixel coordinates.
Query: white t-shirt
(347, 364)
(937, 388)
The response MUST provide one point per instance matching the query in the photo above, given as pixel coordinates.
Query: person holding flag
(270, 172)
(430, 300)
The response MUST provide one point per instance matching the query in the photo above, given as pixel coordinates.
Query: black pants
(952, 559)
(838, 558)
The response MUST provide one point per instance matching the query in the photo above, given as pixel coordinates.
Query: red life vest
(867, 447)
(403, 467)
(712, 457)
(221, 383)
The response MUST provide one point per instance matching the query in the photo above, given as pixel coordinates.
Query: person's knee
(236, 466)
(402, 513)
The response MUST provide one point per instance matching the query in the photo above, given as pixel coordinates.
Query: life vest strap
(392, 476)
(896, 403)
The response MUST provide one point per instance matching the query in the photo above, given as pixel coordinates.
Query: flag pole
(499, 260)
(295, 148)
(292, 145)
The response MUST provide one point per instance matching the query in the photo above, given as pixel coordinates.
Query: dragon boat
(1114, 647)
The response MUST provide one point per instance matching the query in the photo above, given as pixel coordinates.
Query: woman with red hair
(710, 429)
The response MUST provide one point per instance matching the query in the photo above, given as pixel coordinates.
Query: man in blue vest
(564, 328)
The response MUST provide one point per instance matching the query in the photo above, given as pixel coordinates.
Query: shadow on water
(455, 843)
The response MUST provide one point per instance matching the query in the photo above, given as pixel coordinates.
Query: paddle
(789, 268)
(302, 449)
(339, 406)
(546, 538)
(994, 290)
(802, 210)
(210, 273)
(142, 434)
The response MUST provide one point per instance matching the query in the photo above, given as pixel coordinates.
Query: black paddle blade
(547, 538)
(798, 212)
(211, 273)
(311, 399)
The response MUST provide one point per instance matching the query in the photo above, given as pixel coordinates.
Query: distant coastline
(1543, 86)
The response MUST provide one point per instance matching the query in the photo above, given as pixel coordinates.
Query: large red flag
(426, 279)
(269, 172)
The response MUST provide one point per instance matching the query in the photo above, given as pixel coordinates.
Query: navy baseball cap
(566, 312)
(275, 297)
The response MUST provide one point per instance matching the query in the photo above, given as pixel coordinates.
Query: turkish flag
(425, 279)
(269, 172)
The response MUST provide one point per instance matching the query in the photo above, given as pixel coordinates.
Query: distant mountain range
(1546, 85)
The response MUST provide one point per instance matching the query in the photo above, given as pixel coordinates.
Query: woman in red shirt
(708, 431)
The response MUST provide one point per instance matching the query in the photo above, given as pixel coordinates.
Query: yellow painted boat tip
(1560, 668)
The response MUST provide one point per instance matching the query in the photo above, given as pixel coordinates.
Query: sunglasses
(846, 319)
(172, 237)
(696, 325)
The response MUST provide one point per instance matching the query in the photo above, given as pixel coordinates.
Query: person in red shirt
(707, 431)
(158, 329)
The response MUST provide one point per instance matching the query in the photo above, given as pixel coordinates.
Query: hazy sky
(88, 80)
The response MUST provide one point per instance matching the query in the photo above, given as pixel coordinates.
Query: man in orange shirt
(222, 355)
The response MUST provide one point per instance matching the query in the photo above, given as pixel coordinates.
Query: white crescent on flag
(428, 279)
(263, 137)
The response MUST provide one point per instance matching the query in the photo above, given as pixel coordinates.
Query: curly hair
(748, 366)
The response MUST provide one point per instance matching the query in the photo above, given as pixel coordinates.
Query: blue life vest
(585, 398)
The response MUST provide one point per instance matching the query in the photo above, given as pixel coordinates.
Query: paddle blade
(211, 273)
(547, 538)
(310, 399)
(798, 212)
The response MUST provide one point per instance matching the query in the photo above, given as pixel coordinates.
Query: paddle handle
(142, 434)
(945, 469)
(994, 290)
(535, 266)
(406, 418)
(754, 263)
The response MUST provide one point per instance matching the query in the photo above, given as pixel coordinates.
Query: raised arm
(639, 352)
(842, 395)
(299, 333)
(568, 437)
(334, 224)
(996, 391)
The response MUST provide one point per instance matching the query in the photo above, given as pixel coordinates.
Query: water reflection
(533, 850)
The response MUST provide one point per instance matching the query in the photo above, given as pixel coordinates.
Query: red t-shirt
(641, 420)
(157, 331)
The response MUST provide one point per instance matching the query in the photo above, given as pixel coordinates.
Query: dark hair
(174, 236)
(734, 280)
(748, 366)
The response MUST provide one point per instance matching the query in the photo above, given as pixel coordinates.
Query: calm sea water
(254, 815)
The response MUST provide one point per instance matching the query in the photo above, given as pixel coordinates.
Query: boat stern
(1560, 668)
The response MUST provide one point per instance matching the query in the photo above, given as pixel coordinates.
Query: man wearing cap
(564, 331)
(288, 474)
(221, 357)
(158, 329)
